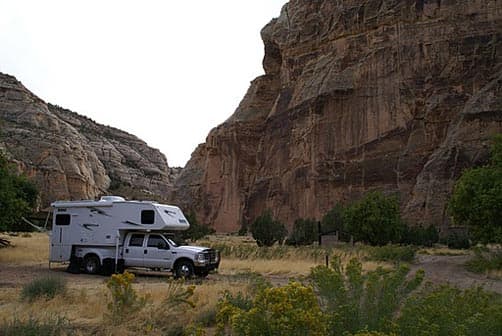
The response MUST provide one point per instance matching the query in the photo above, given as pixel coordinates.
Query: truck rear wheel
(184, 269)
(91, 264)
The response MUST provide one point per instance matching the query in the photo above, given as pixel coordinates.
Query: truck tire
(74, 266)
(92, 264)
(184, 269)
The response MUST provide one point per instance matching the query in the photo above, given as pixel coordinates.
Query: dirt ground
(450, 269)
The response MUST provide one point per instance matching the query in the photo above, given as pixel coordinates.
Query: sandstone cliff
(393, 95)
(72, 157)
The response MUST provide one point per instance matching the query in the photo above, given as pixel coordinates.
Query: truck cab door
(134, 251)
(158, 252)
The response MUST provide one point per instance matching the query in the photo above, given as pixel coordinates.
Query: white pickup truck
(112, 234)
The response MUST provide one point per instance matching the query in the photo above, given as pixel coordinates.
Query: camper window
(63, 219)
(147, 217)
(157, 241)
(136, 240)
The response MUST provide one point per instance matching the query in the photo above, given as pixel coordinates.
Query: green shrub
(395, 253)
(45, 286)
(289, 310)
(458, 240)
(266, 230)
(485, 261)
(54, 326)
(375, 219)
(356, 302)
(420, 236)
(450, 311)
(242, 231)
(125, 301)
(304, 232)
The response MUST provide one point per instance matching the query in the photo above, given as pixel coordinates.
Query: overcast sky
(165, 71)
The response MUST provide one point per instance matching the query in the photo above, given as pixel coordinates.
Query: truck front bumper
(205, 269)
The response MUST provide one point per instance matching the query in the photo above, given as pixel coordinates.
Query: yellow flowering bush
(124, 297)
(289, 310)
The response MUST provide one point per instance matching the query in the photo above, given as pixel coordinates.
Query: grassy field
(84, 305)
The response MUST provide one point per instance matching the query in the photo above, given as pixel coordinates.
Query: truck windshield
(172, 242)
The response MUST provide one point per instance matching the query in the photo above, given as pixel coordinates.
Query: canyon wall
(398, 96)
(72, 157)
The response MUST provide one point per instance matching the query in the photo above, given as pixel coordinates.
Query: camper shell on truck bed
(92, 234)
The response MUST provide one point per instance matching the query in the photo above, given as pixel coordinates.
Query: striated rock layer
(70, 156)
(393, 95)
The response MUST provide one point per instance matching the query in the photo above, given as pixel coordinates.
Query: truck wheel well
(180, 260)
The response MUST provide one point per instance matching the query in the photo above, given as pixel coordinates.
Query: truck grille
(211, 256)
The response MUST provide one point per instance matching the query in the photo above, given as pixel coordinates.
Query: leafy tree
(266, 230)
(477, 198)
(18, 197)
(304, 232)
(196, 230)
(375, 219)
(333, 220)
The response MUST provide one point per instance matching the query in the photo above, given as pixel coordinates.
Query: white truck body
(113, 233)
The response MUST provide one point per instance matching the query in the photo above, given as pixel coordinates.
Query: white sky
(166, 71)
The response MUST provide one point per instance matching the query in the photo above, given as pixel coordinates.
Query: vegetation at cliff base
(304, 232)
(266, 230)
(477, 198)
(375, 219)
(18, 197)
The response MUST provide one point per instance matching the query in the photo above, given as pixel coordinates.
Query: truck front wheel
(91, 264)
(184, 269)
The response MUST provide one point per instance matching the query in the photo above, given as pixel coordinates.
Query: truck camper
(112, 234)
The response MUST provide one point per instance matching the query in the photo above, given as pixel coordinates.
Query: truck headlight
(200, 257)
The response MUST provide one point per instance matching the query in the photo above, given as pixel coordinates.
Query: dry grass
(443, 251)
(266, 266)
(29, 250)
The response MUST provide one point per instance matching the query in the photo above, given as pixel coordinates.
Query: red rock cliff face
(398, 96)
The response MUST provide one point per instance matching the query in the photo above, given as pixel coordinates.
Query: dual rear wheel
(92, 265)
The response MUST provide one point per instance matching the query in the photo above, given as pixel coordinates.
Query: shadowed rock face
(72, 157)
(398, 96)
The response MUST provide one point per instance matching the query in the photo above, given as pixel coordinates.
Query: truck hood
(194, 249)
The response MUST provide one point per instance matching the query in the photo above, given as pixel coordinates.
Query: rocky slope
(393, 95)
(72, 157)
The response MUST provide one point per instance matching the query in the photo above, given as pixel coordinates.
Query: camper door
(60, 239)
